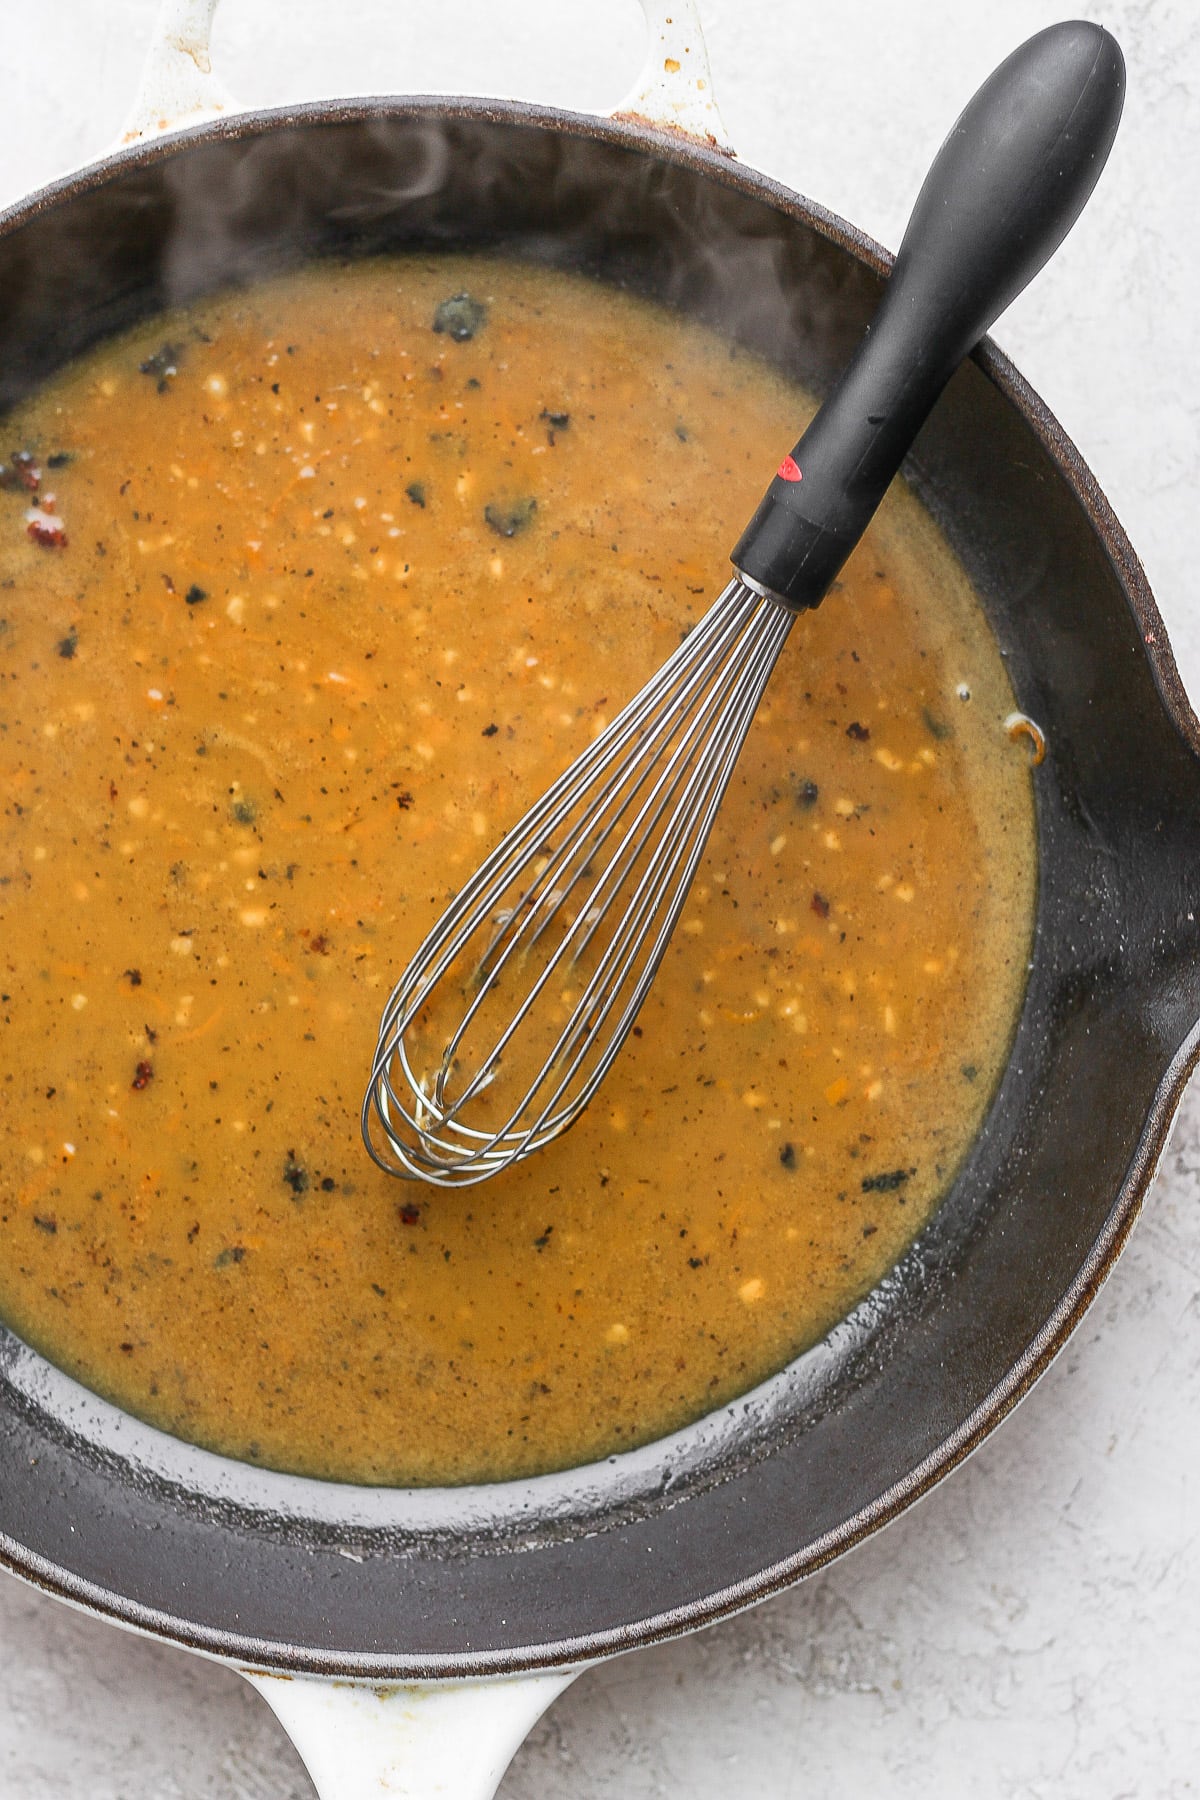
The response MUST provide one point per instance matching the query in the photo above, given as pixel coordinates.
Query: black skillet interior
(303, 1575)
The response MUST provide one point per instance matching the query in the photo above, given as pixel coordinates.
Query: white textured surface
(1033, 1629)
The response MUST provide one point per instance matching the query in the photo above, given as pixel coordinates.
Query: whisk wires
(514, 1007)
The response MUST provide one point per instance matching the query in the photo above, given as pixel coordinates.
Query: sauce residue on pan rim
(306, 592)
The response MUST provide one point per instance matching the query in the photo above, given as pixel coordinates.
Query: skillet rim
(709, 163)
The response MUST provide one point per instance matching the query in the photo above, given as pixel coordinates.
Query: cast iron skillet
(291, 1574)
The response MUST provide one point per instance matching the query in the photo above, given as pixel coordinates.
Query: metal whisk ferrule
(511, 1012)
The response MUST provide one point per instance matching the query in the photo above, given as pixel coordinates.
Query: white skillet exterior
(1068, 1538)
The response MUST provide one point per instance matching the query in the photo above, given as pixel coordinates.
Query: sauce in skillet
(304, 594)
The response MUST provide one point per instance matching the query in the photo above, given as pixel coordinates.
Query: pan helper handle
(1005, 189)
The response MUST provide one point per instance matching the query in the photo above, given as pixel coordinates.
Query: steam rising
(235, 204)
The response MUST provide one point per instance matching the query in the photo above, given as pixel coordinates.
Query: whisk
(515, 1006)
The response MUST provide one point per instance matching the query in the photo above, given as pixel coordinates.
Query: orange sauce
(327, 596)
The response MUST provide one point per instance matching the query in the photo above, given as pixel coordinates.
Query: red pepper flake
(820, 905)
(20, 472)
(143, 1075)
(409, 1214)
(319, 944)
(46, 531)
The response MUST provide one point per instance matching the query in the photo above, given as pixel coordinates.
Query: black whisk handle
(1006, 187)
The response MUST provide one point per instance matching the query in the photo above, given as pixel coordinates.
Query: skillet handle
(179, 88)
(451, 1740)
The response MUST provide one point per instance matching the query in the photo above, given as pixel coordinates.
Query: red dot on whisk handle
(789, 470)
